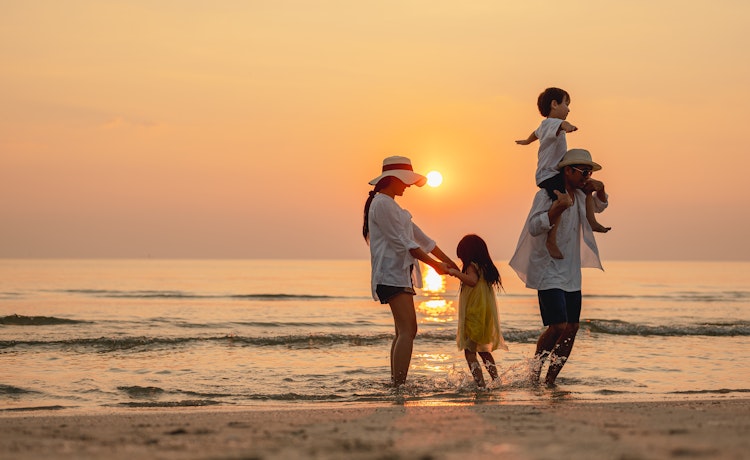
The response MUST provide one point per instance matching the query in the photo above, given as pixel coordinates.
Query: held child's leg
(552, 185)
(551, 242)
(474, 367)
(489, 363)
(591, 216)
(405, 319)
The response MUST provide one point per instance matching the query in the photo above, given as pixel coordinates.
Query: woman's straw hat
(400, 167)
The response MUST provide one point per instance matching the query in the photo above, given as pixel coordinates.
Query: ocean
(97, 334)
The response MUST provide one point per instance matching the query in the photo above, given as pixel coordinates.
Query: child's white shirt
(552, 148)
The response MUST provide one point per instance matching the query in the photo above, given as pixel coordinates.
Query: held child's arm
(567, 127)
(532, 137)
(470, 278)
(563, 202)
(440, 267)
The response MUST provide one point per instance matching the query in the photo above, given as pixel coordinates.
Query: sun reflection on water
(436, 308)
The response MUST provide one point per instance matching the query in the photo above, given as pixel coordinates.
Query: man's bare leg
(561, 352)
(544, 346)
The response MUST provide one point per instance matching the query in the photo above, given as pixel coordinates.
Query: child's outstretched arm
(470, 278)
(567, 127)
(532, 137)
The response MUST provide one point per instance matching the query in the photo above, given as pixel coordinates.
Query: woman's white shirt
(392, 235)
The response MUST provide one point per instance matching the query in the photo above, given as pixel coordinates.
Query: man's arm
(595, 188)
(544, 211)
(563, 202)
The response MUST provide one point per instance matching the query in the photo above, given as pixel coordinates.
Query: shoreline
(692, 428)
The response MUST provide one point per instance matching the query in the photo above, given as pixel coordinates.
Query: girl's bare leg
(405, 319)
(474, 367)
(489, 363)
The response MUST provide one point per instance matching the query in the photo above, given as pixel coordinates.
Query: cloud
(120, 122)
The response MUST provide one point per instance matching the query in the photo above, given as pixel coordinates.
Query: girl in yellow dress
(478, 323)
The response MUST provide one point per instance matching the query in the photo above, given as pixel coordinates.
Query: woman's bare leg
(405, 319)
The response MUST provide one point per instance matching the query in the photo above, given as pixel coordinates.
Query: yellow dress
(478, 323)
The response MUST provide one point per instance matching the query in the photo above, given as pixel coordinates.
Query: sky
(250, 129)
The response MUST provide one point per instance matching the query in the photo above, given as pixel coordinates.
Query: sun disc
(434, 178)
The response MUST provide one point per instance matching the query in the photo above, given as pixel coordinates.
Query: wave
(19, 320)
(181, 403)
(286, 397)
(682, 296)
(33, 408)
(720, 391)
(616, 327)
(149, 294)
(510, 335)
(325, 340)
(108, 344)
(9, 390)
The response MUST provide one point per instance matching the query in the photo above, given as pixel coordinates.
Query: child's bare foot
(553, 250)
(597, 227)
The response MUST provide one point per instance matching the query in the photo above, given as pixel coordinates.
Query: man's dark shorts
(386, 293)
(558, 306)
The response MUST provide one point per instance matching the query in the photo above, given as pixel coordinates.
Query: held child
(553, 104)
(478, 324)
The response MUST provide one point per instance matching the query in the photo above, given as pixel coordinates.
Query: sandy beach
(549, 430)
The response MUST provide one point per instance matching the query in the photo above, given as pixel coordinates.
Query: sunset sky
(249, 129)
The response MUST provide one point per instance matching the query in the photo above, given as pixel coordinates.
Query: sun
(434, 178)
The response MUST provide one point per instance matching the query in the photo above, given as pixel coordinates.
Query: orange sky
(250, 129)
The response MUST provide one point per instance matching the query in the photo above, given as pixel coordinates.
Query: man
(558, 281)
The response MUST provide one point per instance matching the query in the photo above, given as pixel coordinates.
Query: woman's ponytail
(366, 224)
(383, 183)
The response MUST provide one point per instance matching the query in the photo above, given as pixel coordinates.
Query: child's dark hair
(383, 183)
(548, 95)
(472, 248)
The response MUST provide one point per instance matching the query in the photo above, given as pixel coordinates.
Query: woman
(396, 244)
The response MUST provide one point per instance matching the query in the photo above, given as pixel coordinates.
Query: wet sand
(552, 430)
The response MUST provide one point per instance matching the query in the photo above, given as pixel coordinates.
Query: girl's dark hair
(472, 248)
(544, 102)
(383, 183)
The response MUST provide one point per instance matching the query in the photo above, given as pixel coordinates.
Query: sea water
(167, 333)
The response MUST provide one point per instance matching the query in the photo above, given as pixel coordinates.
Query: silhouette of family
(557, 240)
